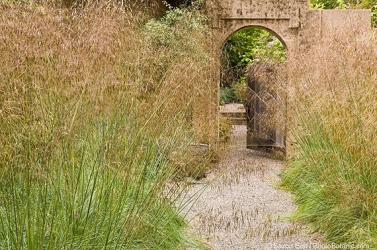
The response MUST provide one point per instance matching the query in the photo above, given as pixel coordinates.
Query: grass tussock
(95, 121)
(333, 170)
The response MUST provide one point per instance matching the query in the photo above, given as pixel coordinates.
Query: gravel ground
(240, 205)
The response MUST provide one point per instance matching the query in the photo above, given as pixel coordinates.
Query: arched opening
(252, 81)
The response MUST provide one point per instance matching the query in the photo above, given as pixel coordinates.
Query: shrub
(234, 94)
(227, 95)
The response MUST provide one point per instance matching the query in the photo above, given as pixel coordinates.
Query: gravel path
(241, 206)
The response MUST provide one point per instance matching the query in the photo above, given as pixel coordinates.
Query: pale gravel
(240, 204)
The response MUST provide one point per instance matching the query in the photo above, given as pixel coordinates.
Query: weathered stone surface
(292, 21)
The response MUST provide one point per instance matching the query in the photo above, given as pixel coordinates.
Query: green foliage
(331, 4)
(335, 186)
(164, 31)
(227, 95)
(234, 94)
(102, 190)
(325, 4)
(374, 15)
(241, 50)
(250, 45)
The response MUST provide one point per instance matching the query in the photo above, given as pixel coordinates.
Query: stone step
(235, 112)
(235, 119)
(238, 121)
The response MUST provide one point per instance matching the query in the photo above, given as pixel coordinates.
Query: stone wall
(298, 27)
(319, 27)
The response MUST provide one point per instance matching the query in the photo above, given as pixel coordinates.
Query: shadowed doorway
(252, 86)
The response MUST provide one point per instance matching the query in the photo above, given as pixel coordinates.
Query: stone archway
(264, 108)
(256, 26)
(292, 21)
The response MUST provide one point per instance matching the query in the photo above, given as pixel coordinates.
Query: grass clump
(101, 190)
(95, 126)
(333, 170)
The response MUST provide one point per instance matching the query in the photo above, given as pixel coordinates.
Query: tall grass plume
(95, 125)
(334, 123)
